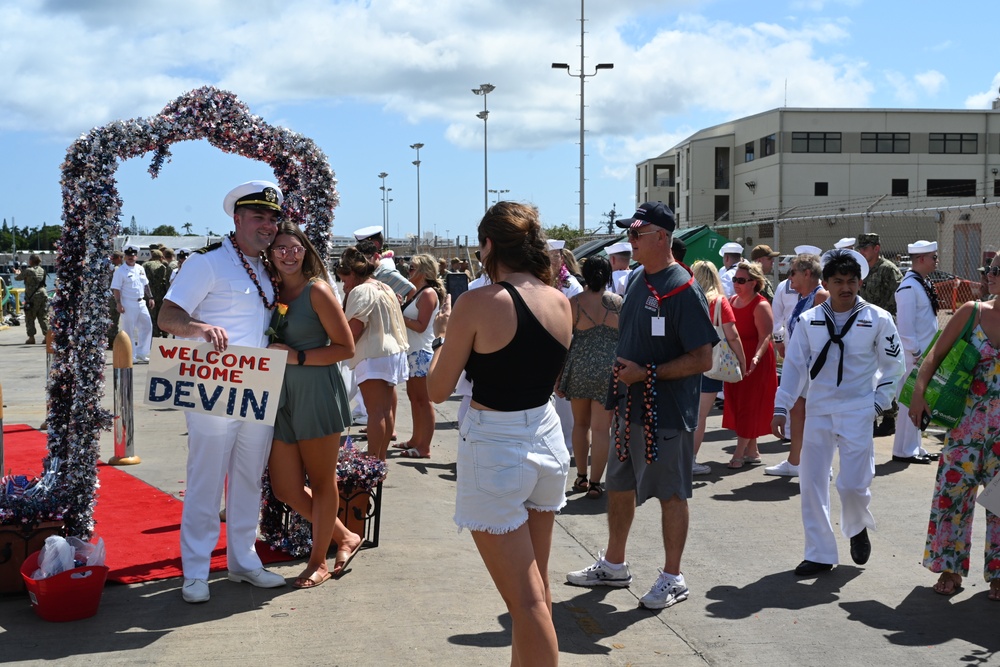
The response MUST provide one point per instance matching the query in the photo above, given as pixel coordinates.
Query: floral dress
(970, 458)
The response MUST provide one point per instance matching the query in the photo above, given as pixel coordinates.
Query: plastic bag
(87, 553)
(57, 556)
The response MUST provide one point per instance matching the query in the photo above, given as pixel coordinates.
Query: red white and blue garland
(91, 217)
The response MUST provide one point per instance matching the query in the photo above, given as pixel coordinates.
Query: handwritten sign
(990, 496)
(241, 383)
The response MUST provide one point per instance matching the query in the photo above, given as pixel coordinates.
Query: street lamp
(416, 163)
(484, 90)
(385, 207)
(583, 77)
(498, 193)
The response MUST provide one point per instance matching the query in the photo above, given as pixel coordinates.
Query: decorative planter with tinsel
(29, 513)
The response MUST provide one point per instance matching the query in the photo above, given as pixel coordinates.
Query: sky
(365, 80)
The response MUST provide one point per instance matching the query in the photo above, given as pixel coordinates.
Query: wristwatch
(302, 357)
(436, 343)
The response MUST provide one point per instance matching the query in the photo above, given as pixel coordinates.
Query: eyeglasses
(742, 281)
(634, 234)
(990, 271)
(282, 250)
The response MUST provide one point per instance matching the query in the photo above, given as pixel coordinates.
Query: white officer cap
(130, 249)
(922, 247)
(556, 244)
(808, 250)
(367, 232)
(858, 257)
(731, 248)
(616, 248)
(846, 242)
(260, 194)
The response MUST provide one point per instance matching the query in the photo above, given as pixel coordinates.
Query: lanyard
(676, 290)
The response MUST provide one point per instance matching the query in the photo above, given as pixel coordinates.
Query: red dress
(749, 404)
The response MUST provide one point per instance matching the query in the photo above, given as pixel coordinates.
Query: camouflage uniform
(36, 299)
(880, 286)
(767, 291)
(159, 282)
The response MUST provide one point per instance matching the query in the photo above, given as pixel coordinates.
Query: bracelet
(436, 343)
(302, 357)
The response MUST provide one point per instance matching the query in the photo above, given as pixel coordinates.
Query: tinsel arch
(91, 216)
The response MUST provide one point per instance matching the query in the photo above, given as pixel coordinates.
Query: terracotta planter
(15, 547)
(361, 512)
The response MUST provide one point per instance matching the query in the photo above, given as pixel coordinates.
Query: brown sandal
(595, 491)
(581, 485)
(948, 584)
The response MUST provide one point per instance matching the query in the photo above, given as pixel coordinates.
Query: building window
(821, 189)
(953, 142)
(996, 187)
(768, 145)
(721, 208)
(900, 187)
(951, 187)
(748, 156)
(815, 142)
(765, 230)
(885, 142)
(663, 176)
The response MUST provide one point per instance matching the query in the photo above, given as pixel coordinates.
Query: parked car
(784, 263)
(953, 291)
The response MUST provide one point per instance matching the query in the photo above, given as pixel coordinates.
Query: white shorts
(392, 369)
(508, 463)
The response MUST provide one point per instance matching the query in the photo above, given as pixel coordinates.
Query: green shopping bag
(949, 387)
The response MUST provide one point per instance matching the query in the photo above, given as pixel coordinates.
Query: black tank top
(522, 374)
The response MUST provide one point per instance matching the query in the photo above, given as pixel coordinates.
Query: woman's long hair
(354, 262)
(597, 273)
(708, 279)
(312, 263)
(426, 266)
(517, 239)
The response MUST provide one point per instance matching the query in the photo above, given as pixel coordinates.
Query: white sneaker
(195, 590)
(260, 578)
(783, 469)
(599, 574)
(665, 592)
(700, 469)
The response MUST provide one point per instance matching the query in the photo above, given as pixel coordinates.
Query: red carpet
(140, 524)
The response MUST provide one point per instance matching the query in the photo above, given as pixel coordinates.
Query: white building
(793, 164)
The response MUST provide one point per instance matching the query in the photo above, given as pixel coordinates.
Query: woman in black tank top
(511, 339)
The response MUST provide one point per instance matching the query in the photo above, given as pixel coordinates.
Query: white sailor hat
(260, 194)
(367, 232)
(731, 248)
(555, 244)
(922, 247)
(857, 256)
(846, 242)
(808, 250)
(616, 248)
(183, 252)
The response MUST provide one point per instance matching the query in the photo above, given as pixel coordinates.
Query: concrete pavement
(423, 597)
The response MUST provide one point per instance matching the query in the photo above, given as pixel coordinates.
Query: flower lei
(91, 218)
(649, 417)
(564, 276)
(253, 276)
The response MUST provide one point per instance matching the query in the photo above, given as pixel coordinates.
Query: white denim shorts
(508, 463)
(392, 369)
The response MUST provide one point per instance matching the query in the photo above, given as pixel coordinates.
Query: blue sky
(365, 80)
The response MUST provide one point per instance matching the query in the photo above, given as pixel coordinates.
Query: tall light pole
(583, 78)
(484, 90)
(416, 163)
(498, 193)
(385, 207)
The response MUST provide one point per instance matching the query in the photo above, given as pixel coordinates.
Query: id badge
(659, 326)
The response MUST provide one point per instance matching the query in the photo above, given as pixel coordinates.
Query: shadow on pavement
(782, 590)
(766, 490)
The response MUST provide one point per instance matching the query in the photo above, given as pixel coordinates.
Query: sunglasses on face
(991, 271)
(742, 281)
(634, 234)
(282, 251)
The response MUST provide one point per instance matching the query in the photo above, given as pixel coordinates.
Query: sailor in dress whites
(731, 254)
(846, 243)
(838, 347)
(916, 318)
(130, 287)
(620, 256)
(225, 296)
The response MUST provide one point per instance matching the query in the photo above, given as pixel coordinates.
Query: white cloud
(931, 81)
(985, 99)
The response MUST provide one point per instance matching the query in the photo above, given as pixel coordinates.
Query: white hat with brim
(808, 250)
(922, 247)
(555, 244)
(130, 249)
(731, 248)
(367, 232)
(263, 194)
(846, 242)
(616, 248)
(862, 262)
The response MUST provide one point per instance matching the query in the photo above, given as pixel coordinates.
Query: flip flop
(412, 453)
(948, 584)
(402, 445)
(308, 582)
(344, 558)
(735, 464)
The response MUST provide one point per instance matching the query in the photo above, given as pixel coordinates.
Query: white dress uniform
(917, 325)
(619, 280)
(841, 402)
(131, 282)
(784, 302)
(726, 276)
(214, 287)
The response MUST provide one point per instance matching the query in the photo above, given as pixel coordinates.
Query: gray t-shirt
(687, 326)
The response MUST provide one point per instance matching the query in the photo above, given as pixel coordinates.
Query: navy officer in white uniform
(130, 288)
(916, 318)
(838, 348)
(225, 296)
(731, 254)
